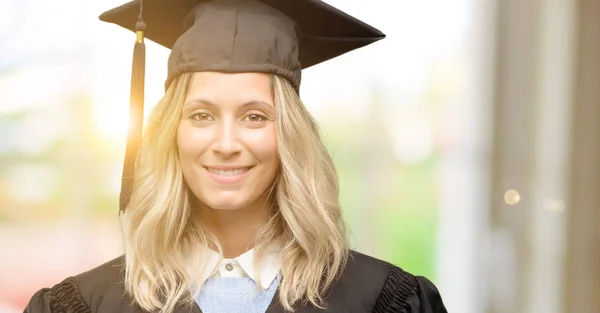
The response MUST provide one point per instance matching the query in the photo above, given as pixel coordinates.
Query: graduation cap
(281, 37)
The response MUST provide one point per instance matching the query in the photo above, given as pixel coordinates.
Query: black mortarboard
(270, 36)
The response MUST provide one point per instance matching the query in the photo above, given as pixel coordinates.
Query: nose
(227, 142)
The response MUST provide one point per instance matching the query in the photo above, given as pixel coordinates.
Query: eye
(255, 117)
(201, 116)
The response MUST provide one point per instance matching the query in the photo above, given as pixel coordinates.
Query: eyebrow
(211, 104)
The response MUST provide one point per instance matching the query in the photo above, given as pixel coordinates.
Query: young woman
(234, 205)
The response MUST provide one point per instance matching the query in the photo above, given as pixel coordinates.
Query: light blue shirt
(234, 295)
(230, 285)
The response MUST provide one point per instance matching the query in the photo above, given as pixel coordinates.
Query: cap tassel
(136, 114)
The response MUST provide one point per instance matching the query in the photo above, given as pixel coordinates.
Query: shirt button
(229, 267)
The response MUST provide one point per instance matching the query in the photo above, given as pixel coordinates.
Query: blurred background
(467, 144)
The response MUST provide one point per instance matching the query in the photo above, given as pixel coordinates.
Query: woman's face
(226, 139)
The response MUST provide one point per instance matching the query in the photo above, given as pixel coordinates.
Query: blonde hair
(160, 228)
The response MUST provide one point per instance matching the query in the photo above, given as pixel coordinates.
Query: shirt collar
(267, 272)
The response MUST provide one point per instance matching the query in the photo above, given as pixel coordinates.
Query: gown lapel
(275, 306)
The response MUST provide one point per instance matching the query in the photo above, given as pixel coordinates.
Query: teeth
(235, 172)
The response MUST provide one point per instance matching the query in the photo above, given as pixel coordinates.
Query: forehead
(230, 87)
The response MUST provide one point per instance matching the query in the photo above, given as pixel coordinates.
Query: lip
(227, 167)
(227, 179)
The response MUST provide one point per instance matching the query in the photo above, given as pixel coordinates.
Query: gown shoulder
(405, 293)
(81, 293)
(62, 297)
(401, 291)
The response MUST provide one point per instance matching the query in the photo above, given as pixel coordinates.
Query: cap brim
(327, 31)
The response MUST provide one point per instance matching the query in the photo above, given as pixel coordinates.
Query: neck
(235, 229)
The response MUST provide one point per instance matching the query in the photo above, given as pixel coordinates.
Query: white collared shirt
(242, 266)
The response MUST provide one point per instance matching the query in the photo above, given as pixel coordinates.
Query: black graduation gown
(367, 285)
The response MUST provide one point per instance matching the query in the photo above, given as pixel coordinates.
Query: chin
(229, 202)
(225, 206)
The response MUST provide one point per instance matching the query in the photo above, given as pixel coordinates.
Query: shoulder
(84, 293)
(103, 282)
(63, 297)
(392, 289)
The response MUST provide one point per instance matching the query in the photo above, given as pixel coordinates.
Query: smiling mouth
(228, 172)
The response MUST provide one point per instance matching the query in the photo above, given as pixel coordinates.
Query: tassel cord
(136, 114)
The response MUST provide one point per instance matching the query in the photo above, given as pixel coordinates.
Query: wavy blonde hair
(160, 227)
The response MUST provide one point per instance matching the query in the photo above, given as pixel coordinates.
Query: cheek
(191, 142)
(264, 145)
